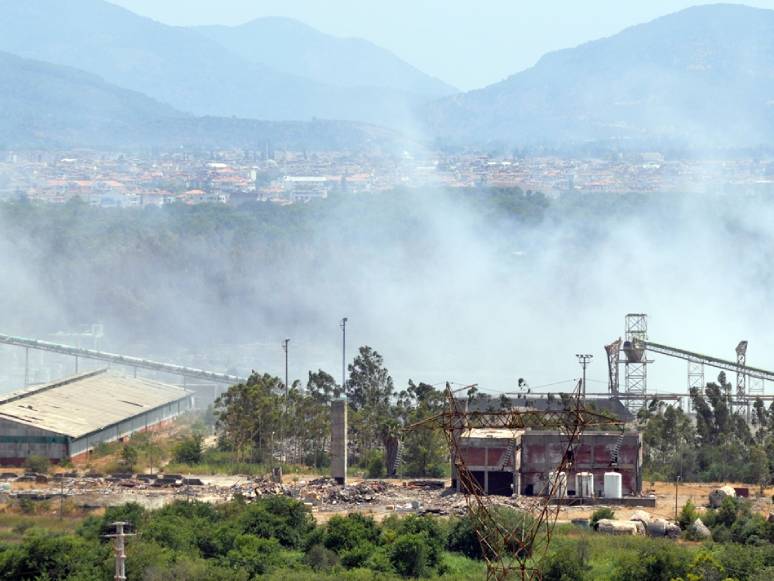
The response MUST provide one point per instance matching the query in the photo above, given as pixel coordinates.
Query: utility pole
(120, 549)
(677, 480)
(61, 497)
(344, 353)
(584, 359)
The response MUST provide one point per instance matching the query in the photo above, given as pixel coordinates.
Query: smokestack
(339, 440)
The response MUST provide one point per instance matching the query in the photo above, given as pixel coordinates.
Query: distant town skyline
(469, 45)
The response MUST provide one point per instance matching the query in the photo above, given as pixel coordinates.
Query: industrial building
(521, 462)
(70, 417)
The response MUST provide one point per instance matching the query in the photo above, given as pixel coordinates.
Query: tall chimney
(339, 440)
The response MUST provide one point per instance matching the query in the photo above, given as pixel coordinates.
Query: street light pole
(344, 352)
(584, 359)
(285, 348)
(285, 410)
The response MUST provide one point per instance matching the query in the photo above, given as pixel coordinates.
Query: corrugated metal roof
(86, 403)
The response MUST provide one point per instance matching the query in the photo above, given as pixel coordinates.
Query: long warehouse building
(70, 417)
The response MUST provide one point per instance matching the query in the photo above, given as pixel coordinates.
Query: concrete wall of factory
(537, 453)
(150, 420)
(488, 459)
(18, 441)
(541, 452)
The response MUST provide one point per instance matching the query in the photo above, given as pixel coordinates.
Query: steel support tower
(636, 372)
(695, 380)
(741, 376)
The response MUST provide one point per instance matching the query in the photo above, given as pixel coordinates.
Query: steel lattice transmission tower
(515, 553)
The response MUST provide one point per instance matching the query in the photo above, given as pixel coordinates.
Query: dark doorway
(501, 483)
(478, 475)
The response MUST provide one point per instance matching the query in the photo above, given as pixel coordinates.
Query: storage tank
(613, 485)
(557, 481)
(584, 485)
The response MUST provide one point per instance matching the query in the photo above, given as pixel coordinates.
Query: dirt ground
(395, 498)
(697, 493)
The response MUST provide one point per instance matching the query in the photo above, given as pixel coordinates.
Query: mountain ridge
(294, 47)
(181, 67)
(47, 106)
(701, 76)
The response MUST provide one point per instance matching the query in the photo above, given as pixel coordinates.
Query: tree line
(717, 444)
(258, 423)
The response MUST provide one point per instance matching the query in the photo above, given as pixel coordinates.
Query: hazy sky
(468, 44)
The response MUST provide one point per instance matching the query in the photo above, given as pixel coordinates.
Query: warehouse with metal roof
(70, 417)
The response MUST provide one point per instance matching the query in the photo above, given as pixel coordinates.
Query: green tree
(425, 450)
(370, 390)
(249, 414)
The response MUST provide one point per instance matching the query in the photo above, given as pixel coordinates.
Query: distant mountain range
(292, 47)
(196, 74)
(703, 77)
(700, 78)
(46, 105)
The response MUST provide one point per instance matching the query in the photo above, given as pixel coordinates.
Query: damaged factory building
(522, 462)
(67, 419)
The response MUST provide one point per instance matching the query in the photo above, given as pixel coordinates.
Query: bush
(128, 457)
(277, 517)
(189, 450)
(254, 556)
(409, 556)
(39, 464)
(343, 533)
(319, 558)
(376, 466)
(601, 513)
(462, 539)
(357, 556)
(688, 515)
(430, 530)
(658, 561)
(568, 563)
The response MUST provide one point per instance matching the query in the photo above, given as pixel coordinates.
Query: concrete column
(486, 470)
(339, 440)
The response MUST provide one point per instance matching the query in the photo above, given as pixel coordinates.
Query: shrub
(658, 561)
(39, 464)
(319, 558)
(189, 450)
(688, 515)
(347, 532)
(601, 513)
(357, 556)
(409, 556)
(376, 466)
(568, 563)
(430, 530)
(254, 556)
(128, 457)
(462, 539)
(277, 517)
